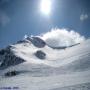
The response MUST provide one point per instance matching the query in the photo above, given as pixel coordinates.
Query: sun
(45, 6)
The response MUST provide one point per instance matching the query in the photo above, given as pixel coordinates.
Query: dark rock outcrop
(40, 54)
(7, 58)
(11, 73)
(36, 41)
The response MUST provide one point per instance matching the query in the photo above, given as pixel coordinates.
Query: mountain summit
(45, 67)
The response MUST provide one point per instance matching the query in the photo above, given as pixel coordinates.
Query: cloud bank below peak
(62, 37)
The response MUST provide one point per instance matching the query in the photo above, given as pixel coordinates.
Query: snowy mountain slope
(54, 58)
(7, 58)
(66, 69)
(26, 81)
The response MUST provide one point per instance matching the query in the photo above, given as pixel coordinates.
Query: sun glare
(45, 7)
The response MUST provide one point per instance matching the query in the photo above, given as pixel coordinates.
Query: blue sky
(20, 17)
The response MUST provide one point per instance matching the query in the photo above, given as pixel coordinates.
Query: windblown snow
(45, 68)
(62, 37)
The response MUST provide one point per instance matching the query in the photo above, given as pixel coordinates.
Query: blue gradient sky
(20, 17)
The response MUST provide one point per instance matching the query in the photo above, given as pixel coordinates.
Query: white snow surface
(61, 68)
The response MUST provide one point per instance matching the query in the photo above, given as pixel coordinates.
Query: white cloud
(83, 17)
(62, 37)
(4, 19)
